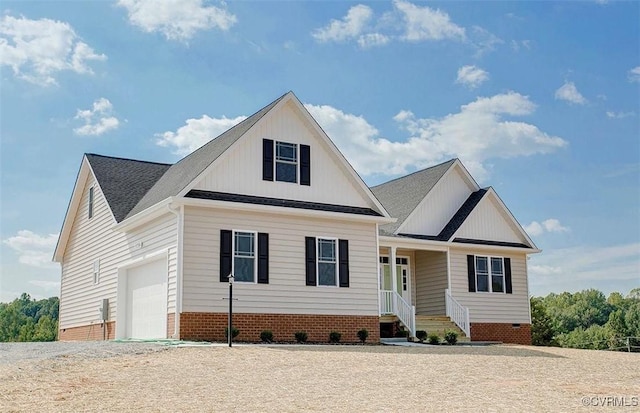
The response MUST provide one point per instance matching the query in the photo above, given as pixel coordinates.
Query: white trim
(378, 265)
(96, 271)
(146, 215)
(255, 255)
(429, 245)
(437, 184)
(275, 161)
(91, 202)
(394, 271)
(448, 252)
(179, 256)
(336, 265)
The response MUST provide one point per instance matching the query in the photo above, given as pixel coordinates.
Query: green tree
(25, 319)
(542, 333)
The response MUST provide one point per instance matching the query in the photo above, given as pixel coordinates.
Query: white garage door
(147, 300)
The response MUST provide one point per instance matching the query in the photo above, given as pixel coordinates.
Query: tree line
(25, 319)
(587, 319)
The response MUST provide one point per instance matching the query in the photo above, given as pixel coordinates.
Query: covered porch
(414, 284)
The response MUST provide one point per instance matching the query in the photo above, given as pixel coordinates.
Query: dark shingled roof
(287, 203)
(180, 174)
(124, 181)
(402, 195)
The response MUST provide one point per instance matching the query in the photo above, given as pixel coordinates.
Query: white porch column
(392, 264)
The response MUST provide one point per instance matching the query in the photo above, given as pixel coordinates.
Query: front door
(403, 278)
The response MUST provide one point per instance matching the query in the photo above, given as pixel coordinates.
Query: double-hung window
(490, 274)
(244, 256)
(286, 162)
(327, 262)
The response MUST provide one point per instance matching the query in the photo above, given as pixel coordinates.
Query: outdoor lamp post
(230, 327)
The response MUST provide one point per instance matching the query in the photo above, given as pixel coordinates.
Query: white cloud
(97, 120)
(372, 39)
(350, 27)
(33, 249)
(634, 74)
(177, 19)
(37, 50)
(476, 134)
(550, 225)
(619, 115)
(471, 76)
(483, 40)
(568, 92)
(196, 133)
(425, 23)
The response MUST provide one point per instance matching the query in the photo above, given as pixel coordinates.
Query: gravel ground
(135, 376)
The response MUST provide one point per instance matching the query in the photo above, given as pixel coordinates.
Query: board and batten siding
(440, 204)
(286, 291)
(431, 281)
(239, 171)
(93, 239)
(488, 221)
(491, 307)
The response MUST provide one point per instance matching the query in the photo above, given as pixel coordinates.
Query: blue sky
(540, 100)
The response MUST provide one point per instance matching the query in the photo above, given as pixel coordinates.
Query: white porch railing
(392, 303)
(458, 313)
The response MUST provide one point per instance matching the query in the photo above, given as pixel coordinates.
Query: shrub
(234, 332)
(451, 337)
(266, 336)
(363, 334)
(301, 336)
(421, 335)
(334, 337)
(434, 339)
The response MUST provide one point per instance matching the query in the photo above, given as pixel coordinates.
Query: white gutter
(445, 245)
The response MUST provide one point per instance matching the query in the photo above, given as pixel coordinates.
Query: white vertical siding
(286, 291)
(492, 307)
(444, 200)
(240, 170)
(92, 239)
(488, 221)
(431, 281)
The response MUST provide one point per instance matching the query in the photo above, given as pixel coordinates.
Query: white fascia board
(238, 206)
(429, 245)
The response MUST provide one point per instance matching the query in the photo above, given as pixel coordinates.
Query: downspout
(178, 302)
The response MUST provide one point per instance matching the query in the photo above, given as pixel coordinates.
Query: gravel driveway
(11, 353)
(123, 377)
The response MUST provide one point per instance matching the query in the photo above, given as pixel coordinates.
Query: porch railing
(458, 313)
(392, 303)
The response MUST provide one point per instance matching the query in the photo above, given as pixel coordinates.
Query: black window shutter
(343, 265)
(310, 260)
(471, 273)
(263, 258)
(267, 159)
(226, 254)
(508, 288)
(305, 165)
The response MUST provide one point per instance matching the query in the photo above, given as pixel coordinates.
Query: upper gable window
(91, 200)
(286, 162)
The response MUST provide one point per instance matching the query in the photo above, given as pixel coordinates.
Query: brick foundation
(210, 326)
(90, 332)
(505, 332)
(171, 325)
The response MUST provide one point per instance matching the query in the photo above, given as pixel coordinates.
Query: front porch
(415, 293)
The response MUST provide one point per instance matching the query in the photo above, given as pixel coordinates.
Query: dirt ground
(325, 378)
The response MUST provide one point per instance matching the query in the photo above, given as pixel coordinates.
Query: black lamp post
(230, 328)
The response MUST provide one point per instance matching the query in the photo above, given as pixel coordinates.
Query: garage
(146, 300)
